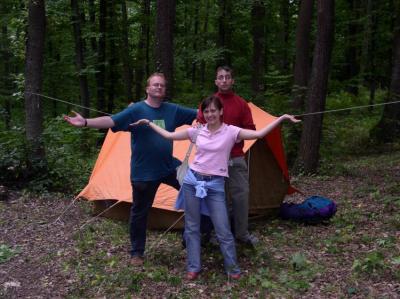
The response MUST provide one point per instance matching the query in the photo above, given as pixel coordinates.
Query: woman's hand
(291, 118)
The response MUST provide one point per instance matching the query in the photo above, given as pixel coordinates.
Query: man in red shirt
(236, 112)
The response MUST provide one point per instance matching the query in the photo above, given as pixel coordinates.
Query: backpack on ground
(313, 210)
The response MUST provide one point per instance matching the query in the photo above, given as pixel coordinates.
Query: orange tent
(110, 179)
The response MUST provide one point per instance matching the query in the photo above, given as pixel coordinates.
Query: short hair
(156, 74)
(226, 68)
(209, 100)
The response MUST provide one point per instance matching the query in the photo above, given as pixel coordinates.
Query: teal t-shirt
(151, 157)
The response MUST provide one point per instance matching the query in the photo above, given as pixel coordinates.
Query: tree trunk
(308, 157)
(92, 19)
(126, 59)
(101, 57)
(195, 33)
(6, 56)
(224, 32)
(369, 47)
(77, 19)
(33, 83)
(352, 66)
(302, 62)
(204, 41)
(258, 34)
(142, 59)
(165, 41)
(112, 81)
(388, 128)
(285, 19)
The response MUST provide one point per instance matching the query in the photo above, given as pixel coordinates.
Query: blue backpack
(313, 210)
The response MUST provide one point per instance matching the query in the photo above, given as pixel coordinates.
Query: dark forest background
(289, 57)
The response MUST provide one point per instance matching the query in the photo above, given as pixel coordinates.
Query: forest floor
(355, 255)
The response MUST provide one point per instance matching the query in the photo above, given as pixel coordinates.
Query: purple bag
(313, 210)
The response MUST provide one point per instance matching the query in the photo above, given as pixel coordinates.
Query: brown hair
(225, 68)
(211, 100)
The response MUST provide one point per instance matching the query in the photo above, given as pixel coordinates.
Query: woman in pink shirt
(203, 187)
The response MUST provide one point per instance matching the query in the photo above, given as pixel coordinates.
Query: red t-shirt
(236, 112)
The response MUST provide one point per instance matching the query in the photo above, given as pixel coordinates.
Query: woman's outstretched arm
(180, 135)
(250, 134)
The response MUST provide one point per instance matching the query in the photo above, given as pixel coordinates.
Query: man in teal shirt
(152, 162)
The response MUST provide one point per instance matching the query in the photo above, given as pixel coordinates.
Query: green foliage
(373, 262)
(7, 253)
(70, 154)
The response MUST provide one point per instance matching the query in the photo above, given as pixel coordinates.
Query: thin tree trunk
(388, 128)
(113, 59)
(204, 41)
(33, 84)
(101, 57)
(92, 19)
(165, 41)
(302, 62)
(195, 34)
(308, 157)
(351, 53)
(6, 56)
(126, 59)
(224, 32)
(258, 34)
(77, 19)
(142, 58)
(370, 48)
(285, 18)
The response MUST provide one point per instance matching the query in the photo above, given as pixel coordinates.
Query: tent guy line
(66, 102)
(344, 109)
(296, 115)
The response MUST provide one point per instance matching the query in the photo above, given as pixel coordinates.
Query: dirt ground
(43, 245)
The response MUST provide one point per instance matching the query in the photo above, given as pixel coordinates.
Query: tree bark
(101, 57)
(352, 65)
(33, 84)
(204, 40)
(142, 58)
(302, 61)
(6, 56)
(112, 80)
(224, 32)
(308, 158)
(165, 41)
(92, 19)
(388, 128)
(258, 34)
(77, 19)
(285, 19)
(126, 59)
(195, 34)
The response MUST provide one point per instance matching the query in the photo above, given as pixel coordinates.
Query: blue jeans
(216, 205)
(143, 197)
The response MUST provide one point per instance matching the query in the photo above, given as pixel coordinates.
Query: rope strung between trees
(66, 102)
(344, 109)
(296, 115)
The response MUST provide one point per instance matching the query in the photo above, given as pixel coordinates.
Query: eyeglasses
(158, 85)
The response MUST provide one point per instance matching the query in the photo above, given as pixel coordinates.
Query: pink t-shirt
(213, 149)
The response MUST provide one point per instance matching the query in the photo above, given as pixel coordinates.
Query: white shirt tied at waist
(201, 188)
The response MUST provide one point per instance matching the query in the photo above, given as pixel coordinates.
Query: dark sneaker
(250, 241)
